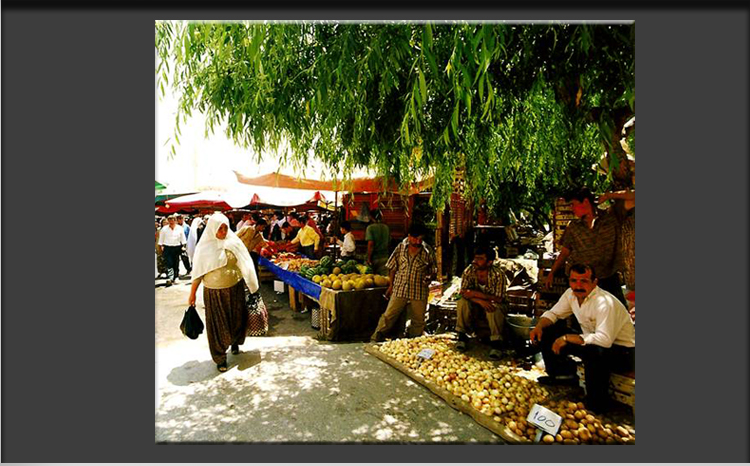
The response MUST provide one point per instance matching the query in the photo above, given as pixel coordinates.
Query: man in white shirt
(245, 219)
(172, 240)
(605, 342)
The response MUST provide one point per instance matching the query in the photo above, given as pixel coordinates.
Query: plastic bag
(191, 325)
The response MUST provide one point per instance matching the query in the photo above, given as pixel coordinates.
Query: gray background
(77, 301)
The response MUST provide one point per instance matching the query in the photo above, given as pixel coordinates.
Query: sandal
(222, 367)
(235, 349)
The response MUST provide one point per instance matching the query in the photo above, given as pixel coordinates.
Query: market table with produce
(350, 296)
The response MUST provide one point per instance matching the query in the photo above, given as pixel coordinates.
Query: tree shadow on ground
(308, 392)
(202, 371)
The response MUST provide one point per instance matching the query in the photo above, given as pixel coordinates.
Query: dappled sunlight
(296, 389)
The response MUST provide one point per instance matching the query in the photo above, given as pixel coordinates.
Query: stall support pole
(335, 225)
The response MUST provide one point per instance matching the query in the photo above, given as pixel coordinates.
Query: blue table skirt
(292, 279)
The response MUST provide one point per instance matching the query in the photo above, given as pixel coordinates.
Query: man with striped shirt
(483, 286)
(591, 239)
(412, 266)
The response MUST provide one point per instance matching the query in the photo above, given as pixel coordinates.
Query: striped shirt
(496, 281)
(412, 272)
(596, 246)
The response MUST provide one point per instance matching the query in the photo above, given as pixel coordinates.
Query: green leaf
(427, 35)
(422, 86)
(454, 120)
(431, 61)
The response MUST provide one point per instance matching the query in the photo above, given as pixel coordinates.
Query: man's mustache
(578, 290)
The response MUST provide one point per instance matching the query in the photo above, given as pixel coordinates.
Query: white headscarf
(193, 238)
(210, 253)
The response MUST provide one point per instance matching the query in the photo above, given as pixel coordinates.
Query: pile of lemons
(352, 281)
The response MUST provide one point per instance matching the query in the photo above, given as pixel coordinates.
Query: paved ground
(289, 387)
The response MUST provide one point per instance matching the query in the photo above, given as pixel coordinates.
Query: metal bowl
(520, 325)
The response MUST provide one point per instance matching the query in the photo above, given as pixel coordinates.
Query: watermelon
(325, 261)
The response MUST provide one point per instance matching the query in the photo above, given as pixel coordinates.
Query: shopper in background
(172, 241)
(183, 254)
(195, 228)
(348, 246)
(308, 239)
(252, 238)
(378, 237)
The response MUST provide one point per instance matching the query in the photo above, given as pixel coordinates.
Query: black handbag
(191, 325)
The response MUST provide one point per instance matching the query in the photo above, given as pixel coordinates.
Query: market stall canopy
(358, 185)
(287, 197)
(210, 200)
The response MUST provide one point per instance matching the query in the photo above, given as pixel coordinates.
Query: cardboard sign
(426, 353)
(544, 419)
(278, 286)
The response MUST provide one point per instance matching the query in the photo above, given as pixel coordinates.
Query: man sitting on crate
(606, 342)
(483, 286)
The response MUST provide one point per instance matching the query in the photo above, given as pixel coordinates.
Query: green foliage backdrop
(526, 108)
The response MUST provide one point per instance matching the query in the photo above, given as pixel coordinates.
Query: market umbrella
(210, 200)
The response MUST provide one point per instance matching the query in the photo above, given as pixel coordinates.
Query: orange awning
(357, 185)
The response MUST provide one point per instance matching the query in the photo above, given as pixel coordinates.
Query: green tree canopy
(527, 109)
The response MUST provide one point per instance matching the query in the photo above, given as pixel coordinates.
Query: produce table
(344, 315)
(292, 279)
(350, 315)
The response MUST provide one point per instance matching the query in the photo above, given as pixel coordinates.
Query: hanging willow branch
(529, 107)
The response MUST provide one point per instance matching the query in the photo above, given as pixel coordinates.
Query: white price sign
(543, 418)
(426, 353)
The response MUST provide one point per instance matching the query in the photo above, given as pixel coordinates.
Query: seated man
(483, 286)
(606, 344)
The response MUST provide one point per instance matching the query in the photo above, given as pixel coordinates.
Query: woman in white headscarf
(192, 241)
(223, 265)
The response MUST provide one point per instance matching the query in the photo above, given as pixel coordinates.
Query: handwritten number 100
(542, 418)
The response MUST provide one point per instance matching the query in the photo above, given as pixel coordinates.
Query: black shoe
(222, 367)
(462, 342)
(598, 406)
(558, 380)
(235, 349)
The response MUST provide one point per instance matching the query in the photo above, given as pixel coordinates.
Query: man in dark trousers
(605, 341)
(183, 254)
(172, 240)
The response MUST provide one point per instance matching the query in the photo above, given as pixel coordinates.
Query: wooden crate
(621, 388)
(521, 301)
(441, 319)
(561, 216)
(453, 401)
